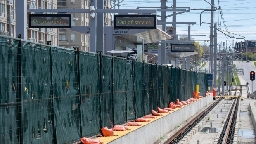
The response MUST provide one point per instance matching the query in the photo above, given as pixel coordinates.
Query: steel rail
(186, 129)
(227, 133)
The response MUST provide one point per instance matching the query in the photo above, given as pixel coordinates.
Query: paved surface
(246, 131)
(248, 67)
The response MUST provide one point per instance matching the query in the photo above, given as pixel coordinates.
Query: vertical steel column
(177, 61)
(93, 25)
(219, 69)
(211, 37)
(226, 65)
(100, 28)
(21, 17)
(162, 51)
(174, 20)
(188, 57)
(19, 93)
(215, 56)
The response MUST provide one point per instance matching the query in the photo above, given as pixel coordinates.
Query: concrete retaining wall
(252, 109)
(152, 132)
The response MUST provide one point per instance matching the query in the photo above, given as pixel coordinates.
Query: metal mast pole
(162, 58)
(174, 20)
(215, 56)
(211, 37)
(219, 76)
(100, 28)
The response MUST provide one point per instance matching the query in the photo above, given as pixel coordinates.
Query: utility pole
(174, 27)
(211, 36)
(215, 56)
(162, 48)
(100, 27)
(174, 20)
(220, 82)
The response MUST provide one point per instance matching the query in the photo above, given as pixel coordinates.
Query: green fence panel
(60, 106)
(130, 102)
(174, 88)
(170, 85)
(165, 86)
(36, 84)
(194, 80)
(189, 89)
(160, 86)
(147, 86)
(8, 83)
(138, 88)
(182, 86)
(89, 78)
(66, 100)
(107, 110)
(179, 83)
(119, 93)
(153, 101)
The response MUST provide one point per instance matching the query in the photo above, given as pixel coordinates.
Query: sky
(237, 17)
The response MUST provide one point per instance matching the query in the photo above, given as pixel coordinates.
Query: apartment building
(8, 21)
(70, 39)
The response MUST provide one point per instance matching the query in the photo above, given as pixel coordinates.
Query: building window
(2, 9)
(72, 37)
(2, 27)
(61, 3)
(62, 37)
(49, 37)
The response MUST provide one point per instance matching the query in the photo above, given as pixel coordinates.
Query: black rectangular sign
(49, 21)
(183, 48)
(135, 21)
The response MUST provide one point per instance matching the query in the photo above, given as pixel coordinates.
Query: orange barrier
(107, 132)
(85, 140)
(214, 92)
(119, 130)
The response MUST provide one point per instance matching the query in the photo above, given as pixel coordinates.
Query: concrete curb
(217, 138)
(252, 111)
(235, 140)
(197, 128)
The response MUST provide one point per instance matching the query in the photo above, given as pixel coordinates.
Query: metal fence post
(79, 98)
(134, 93)
(100, 86)
(54, 136)
(112, 90)
(19, 93)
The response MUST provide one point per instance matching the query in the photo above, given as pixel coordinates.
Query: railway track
(227, 133)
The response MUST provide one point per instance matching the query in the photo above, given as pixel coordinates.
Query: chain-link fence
(55, 95)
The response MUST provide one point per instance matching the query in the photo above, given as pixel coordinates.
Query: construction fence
(55, 95)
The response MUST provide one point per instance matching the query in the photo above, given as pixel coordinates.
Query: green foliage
(198, 47)
(250, 56)
(237, 81)
(203, 64)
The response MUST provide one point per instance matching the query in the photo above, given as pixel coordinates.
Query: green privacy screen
(55, 95)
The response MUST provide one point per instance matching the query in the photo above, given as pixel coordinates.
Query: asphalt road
(248, 67)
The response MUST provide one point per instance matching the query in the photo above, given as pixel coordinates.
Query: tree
(198, 47)
(205, 48)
